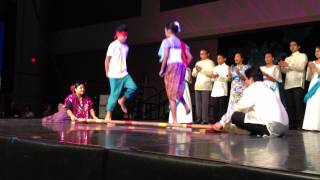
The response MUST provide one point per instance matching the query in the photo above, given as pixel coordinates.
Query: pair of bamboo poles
(145, 123)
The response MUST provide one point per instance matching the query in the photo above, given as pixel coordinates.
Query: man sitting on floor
(259, 110)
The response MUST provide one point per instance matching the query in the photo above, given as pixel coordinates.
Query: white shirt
(220, 85)
(295, 72)
(273, 71)
(203, 81)
(262, 106)
(118, 53)
(312, 75)
(174, 56)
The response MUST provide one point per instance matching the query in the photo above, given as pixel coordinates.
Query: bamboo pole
(144, 123)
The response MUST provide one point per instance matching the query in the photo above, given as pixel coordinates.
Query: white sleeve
(309, 74)
(277, 74)
(166, 44)
(223, 75)
(188, 76)
(110, 50)
(194, 71)
(226, 118)
(161, 50)
(285, 69)
(246, 102)
(299, 65)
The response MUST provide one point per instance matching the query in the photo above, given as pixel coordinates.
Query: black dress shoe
(204, 122)
(293, 127)
(197, 121)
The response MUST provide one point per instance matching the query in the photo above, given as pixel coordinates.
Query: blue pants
(116, 87)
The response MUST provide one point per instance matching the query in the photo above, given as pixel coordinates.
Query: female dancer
(175, 60)
(79, 105)
(312, 115)
(271, 73)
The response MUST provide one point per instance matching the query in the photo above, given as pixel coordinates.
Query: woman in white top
(259, 110)
(312, 115)
(176, 58)
(271, 73)
(182, 117)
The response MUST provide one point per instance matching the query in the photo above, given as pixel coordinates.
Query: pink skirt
(174, 80)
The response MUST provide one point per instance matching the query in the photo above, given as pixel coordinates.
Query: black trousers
(295, 107)
(220, 105)
(202, 105)
(237, 118)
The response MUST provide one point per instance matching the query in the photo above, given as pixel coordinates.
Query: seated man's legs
(237, 118)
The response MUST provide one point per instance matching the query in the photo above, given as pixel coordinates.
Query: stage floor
(298, 152)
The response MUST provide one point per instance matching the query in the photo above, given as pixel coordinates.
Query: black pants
(220, 105)
(202, 105)
(295, 107)
(237, 118)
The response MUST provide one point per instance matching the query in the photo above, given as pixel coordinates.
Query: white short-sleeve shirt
(220, 85)
(118, 65)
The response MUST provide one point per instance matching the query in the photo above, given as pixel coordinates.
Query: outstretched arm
(93, 114)
(71, 115)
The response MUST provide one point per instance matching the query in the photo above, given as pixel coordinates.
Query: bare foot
(121, 102)
(175, 123)
(109, 122)
(108, 116)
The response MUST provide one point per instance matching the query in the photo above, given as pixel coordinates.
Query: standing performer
(238, 77)
(312, 116)
(294, 68)
(175, 60)
(203, 86)
(182, 117)
(116, 71)
(220, 88)
(79, 105)
(271, 73)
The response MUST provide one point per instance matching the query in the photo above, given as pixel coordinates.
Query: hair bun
(176, 23)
